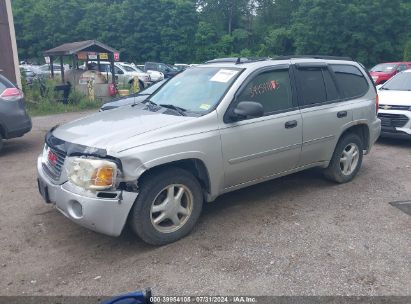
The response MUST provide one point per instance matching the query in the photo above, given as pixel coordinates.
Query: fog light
(75, 209)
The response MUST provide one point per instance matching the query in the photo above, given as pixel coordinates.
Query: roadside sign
(104, 56)
(82, 56)
(116, 56)
(92, 56)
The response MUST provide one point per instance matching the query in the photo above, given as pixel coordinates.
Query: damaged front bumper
(102, 212)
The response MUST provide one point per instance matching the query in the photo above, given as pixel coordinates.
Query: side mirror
(120, 72)
(247, 109)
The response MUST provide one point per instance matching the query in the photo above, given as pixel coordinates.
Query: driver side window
(118, 71)
(272, 89)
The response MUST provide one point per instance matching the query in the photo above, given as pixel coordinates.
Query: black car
(14, 120)
(167, 70)
(133, 98)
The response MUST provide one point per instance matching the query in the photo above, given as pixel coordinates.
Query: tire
(341, 171)
(155, 194)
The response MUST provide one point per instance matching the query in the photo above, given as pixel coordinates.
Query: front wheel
(167, 207)
(346, 160)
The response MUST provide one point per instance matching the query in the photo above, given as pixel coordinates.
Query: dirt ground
(298, 235)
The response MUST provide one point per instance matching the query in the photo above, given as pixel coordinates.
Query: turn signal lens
(103, 177)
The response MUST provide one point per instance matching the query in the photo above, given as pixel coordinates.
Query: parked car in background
(132, 98)
(384, 71)
(395, 106)
(181, 66)
(211, 130)
(125, 74)
(14, 120)
(28, 73)
(44, 71)
(167, 70)
(154, 75)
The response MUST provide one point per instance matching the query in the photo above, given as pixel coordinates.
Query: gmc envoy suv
(215, 128)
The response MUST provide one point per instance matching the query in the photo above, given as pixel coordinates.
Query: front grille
(393, 120)
(53, 169)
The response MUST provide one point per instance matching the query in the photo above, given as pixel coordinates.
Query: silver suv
(213, 129)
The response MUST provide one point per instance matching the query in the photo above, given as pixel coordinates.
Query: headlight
(93, 174)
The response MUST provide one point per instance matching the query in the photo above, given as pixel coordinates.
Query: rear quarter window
(351, 80)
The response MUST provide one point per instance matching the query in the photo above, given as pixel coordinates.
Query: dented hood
(105, 129)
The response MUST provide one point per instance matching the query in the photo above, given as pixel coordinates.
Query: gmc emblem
(52, 158)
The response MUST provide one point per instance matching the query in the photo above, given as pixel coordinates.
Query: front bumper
(104, 215)
(397, 132)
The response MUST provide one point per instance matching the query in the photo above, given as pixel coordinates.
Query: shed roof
(80, 46)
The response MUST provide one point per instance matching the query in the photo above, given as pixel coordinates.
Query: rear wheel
(346, 160)
(167, 207)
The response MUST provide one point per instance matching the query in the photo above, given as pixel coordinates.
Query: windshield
(384, 67)
(197, 89)
(401, 82)
(128, 68)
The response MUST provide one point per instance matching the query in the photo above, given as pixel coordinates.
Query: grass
(42, 99)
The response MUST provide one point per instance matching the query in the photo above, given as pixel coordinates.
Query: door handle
(291, 124)
(342, 114)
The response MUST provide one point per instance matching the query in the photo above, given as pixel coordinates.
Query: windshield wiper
(150, 104)
(179, 110)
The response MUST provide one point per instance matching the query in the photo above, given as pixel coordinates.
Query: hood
(105, 129)
(397, 98)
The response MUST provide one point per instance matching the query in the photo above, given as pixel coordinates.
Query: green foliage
(198, 30)
(41, 99)
(407, 51)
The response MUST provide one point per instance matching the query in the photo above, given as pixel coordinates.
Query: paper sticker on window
(224, 75)
(205, 106)
(264, 87)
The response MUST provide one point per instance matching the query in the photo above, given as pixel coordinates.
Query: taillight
(377, 103)
(10, 94)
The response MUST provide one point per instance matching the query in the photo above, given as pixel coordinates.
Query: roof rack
(237, 60)
(313, 57)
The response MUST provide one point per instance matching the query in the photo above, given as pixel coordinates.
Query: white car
(124, 73)
(395, 106)
(154, 75)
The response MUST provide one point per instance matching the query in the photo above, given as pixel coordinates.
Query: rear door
(324, 111)
(257, 148)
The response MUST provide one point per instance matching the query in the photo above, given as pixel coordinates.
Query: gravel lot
(298, 235)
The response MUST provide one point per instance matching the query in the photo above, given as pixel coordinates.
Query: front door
(257, 148)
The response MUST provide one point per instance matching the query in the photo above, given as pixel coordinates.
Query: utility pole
(9, 61)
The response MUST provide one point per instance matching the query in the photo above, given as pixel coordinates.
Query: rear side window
(271, 89)
(312, 86)
(350, 80)
(331, 89)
